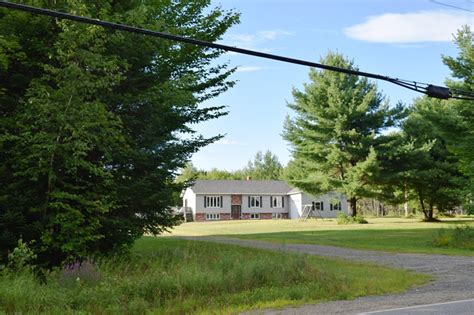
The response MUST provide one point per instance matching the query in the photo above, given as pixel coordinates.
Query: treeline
(264, 166)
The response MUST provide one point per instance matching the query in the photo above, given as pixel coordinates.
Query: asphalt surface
(454, 281)
(456, 308)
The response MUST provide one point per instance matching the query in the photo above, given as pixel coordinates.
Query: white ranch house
(255, 199)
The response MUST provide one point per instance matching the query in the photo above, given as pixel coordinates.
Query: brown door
(235, 212)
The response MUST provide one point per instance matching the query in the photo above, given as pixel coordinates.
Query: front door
(236, 212)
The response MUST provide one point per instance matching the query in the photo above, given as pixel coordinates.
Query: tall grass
(168, 276)
(461, 237)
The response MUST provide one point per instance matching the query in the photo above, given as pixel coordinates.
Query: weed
(169, 276)
(461, 237)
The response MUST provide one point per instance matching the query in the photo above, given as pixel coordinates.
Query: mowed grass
(171, 276)
(386, 234)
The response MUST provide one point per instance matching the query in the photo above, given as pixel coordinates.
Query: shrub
(21, 258)
(343, 218)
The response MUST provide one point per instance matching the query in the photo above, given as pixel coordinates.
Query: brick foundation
(225, 216)
(245, 216)
(200, 217)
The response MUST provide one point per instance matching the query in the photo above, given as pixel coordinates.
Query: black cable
(132, 29)
(451, 6)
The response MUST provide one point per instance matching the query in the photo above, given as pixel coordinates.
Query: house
(255, 199)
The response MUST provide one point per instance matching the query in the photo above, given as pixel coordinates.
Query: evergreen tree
(92, 121)
(431, 173)
(336, 132)
(457, 124)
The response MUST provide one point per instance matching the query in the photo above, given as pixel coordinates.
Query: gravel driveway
(454, 277)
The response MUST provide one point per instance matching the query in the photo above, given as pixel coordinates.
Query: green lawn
(387, 234)
(172, 276)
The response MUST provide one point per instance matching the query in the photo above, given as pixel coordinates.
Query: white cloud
(243, 38)
(229, 142)
(248, 69)
(250, 40)
(273, 34)
(426, 26)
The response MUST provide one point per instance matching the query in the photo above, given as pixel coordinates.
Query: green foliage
(432, 172)
(337, 130)
(263, 167)
(169, 276)
(21, 257)
(460, 237)
(92, 122)
(457, 126)
(343, 218)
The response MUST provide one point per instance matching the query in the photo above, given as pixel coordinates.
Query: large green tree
(95, 123)
(457, 125)
(430, 170)
(337, 128)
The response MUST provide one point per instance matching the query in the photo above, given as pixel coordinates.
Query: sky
(403, 39)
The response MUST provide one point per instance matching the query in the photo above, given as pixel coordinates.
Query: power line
(428, 89)
(452, 6)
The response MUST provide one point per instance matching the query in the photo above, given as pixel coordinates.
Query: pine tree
(457, 125)
(336, 132)
(433, 173)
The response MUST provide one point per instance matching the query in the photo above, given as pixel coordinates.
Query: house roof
(241, 187)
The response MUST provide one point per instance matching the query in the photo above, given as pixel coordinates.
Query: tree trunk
(430, 213)
(405, 201)
(420, 197)
(353, 207)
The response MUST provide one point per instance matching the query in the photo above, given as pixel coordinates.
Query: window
(255, 201)
(277, 215)
(336, 206)
(318, 206)
(255, 216)
(213, 202)
(213, 216)
(277, 201)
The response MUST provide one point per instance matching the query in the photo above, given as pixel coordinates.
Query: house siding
(293, 204)
(190, 196)
(299, 200)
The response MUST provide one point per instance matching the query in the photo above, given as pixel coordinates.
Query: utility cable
(428, 89)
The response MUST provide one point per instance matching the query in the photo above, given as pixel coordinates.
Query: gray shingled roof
(240, 187)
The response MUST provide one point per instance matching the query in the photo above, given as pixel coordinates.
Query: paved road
(454, 278)
(456, 308)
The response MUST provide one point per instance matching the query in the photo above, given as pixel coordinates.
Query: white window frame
(335, 206)
(213, 216)
(255, 201)
(213, 202)
(254, 216)
(277, 215)
(277, 202)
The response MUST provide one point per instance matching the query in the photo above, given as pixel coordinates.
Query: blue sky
(403, 39)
